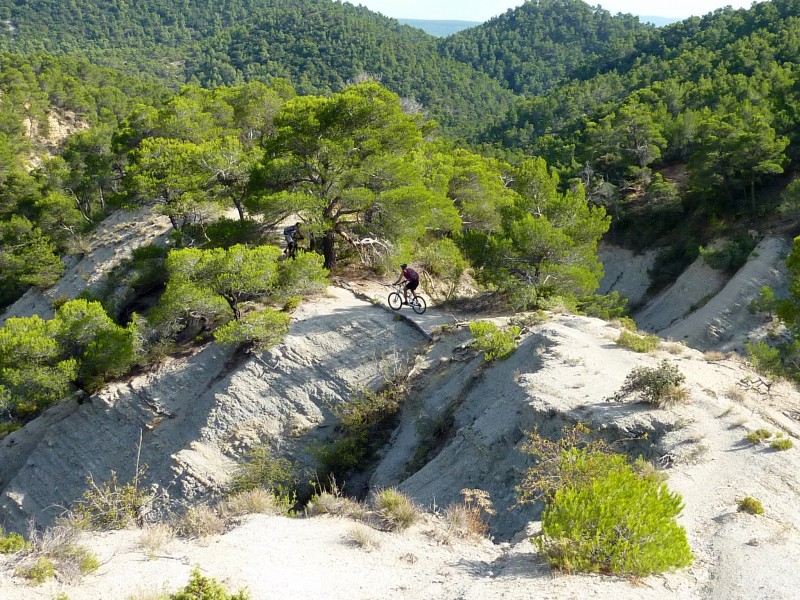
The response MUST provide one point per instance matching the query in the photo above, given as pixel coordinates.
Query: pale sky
(483, 10)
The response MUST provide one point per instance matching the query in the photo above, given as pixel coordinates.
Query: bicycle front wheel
(419, 305)
(395, 301)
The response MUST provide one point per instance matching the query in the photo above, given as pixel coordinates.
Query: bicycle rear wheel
(395, 301)
(419, 305)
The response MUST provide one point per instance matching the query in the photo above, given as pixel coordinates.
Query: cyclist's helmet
(403, 266)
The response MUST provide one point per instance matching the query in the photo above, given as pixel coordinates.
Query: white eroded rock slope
(563, 372)
(198, 413)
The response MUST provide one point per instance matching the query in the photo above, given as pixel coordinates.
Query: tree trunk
(329, 249)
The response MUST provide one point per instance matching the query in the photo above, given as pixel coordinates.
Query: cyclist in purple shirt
(411, 277)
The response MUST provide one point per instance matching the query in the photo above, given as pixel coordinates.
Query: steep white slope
(199, 413)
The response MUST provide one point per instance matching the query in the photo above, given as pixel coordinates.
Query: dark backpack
(290, 230)
(411, 274)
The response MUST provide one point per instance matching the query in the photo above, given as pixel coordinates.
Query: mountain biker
(292, 235)
(412, 280)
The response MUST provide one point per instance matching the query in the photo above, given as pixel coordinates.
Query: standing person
(412, 280)
(292, 234)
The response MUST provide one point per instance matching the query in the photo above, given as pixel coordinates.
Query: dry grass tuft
(334, 503)
(468, 519)
(154, 538)
(396, 509)
(250, 502)
(363, 537)
(200, 522)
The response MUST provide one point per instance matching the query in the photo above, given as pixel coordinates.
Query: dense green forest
(319, 45)
(509, 149)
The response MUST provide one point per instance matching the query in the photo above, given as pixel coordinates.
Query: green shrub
(40, 571)
(366, 419)
(12, 542)
(444, 261)
(395, 508)
(302, 276)
(764, 358)
(615, 522)
(660, 385)
(206, 588)
(638, 343)
(569, 461)
(781, 444)
(495, 343)
(111, 505)
(34, 372)
(75, 556)
(262, 470)
(751, 505)
(731, 256)
(626, 323)
(292, 302)
(604, 306)
(103, 348)
(765, 302)
(757, 436)
(258, 329)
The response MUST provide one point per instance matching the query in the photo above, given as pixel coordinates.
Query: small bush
(111, 505)
(625, 323)
(200, 522)
(59, 544)
(263, 471)
(292, 302)
(751, 506)
(468, 519)
(258, 329)
(42, 570)
(363, 537)
(759, 435)
(154, 538)
(556, 466)
(495, 343)
(604, 306)
(395, 508)
(206, 588)
(732, 255)
(659, 385)
(76, 558)
(781, 444)
(12, 542)
(250, 502)
(332, 502)
(615, 522)
(764, 358)
(638, 343)
(366, 420)
(765, 302)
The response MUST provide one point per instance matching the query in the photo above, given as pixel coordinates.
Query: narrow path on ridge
(378, 293)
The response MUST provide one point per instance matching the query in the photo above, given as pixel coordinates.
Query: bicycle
(397, 299)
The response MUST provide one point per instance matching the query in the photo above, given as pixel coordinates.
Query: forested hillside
(544, 43)
(319, 44)
(716, 100)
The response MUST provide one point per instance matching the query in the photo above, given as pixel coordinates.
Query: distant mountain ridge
(439, 28)
(659, 21)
